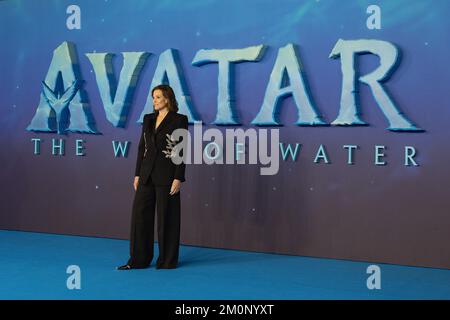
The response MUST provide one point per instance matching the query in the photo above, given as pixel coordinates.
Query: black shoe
(125, 267)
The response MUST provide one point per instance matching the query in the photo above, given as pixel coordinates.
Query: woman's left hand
(176, 185)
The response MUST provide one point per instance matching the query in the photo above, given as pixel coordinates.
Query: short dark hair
(168, 93)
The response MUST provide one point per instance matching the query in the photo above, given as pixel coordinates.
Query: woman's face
(159, 101)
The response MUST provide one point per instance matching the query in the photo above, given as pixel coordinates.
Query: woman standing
(157, 184)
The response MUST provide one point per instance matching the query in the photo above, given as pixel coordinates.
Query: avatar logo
(63, 105)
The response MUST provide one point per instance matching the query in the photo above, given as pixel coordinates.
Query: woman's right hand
(136, 182)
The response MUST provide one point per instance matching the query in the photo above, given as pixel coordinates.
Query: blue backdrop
(392, 213)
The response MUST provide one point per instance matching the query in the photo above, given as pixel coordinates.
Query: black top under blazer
(151, 161)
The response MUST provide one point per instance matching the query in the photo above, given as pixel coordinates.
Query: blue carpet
(33, 266)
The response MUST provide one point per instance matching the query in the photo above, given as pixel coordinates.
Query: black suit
(156, 173)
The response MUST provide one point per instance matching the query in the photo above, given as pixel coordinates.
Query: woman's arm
(141, 148)
(180, 168)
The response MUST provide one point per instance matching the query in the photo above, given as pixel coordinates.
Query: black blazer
(151, 161)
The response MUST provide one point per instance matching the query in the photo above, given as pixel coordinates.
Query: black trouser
(146, 197)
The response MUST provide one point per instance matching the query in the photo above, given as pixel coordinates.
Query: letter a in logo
(63, 104)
